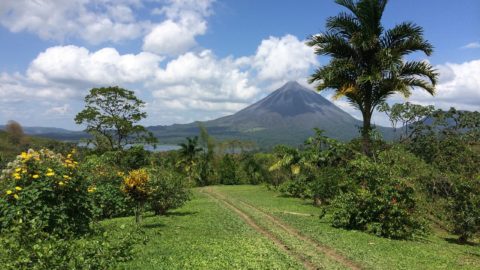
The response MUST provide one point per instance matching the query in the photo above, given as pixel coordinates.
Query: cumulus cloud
(459, 86)
(72, 65)
(283, 58)
(176, 35)
(94, 21)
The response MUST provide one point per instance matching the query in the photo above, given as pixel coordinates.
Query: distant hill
(286, 116)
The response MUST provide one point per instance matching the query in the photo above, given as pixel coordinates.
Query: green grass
(431, 252)
(204, 234)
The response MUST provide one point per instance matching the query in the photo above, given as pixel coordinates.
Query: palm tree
(368, 62)
(189, 149)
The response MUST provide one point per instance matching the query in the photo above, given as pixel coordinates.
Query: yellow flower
(50, 174)
(16, 196)
(91, 189)
(61, 183)
(66, 176)
(49, 170)
(9, 192)
(18, 188)
(18, 170)
(17, 176)
(35, 176)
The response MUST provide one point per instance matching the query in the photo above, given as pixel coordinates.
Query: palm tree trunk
(366, 129)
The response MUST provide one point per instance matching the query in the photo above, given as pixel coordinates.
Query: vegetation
(111, 115)
(367, 62)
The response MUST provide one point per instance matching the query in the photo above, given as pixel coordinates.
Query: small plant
(135, 185)
(168, 190)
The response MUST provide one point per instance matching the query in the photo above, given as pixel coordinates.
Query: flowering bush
(43, 190)
(105, 180)
(135, 185)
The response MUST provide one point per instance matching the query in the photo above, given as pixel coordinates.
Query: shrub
(465, 210)
(105, 180)
(328, 183)
(229, 170)
(44, 190)
(135, 186)
(388, 211)
(36, 249)
(168, 190)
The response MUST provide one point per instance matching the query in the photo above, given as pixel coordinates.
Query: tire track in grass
(329, 252)
(279, 243)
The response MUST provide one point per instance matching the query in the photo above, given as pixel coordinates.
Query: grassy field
(250, 227)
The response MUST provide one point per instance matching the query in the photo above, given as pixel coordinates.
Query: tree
(111, 115)
(368, 62)
(188, 156)
(15, 132)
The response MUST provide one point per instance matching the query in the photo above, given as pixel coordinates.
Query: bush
(168, 190)
(388, 211)
(105, 180)
(39, 250)
(465, 210)
(229, 170)
(135, 186)
(43, 190)
(328, 183)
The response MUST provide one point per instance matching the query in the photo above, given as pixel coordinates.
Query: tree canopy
(111, 115)
(367, 62)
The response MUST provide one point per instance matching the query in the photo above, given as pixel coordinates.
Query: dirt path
(261, 230)
(311, 243)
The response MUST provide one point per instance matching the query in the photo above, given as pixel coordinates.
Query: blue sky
(199, 59)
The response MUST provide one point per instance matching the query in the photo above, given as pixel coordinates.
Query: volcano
(287, 116)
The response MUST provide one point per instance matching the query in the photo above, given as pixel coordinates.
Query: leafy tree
(367, 62)
(15, 132)
(407, 114)
(111, 115)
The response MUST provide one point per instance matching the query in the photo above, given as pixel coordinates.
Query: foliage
(465, 209)
(15, 132)
(388, 210)
(135, 185)
(111, 115)
(228, 170)
(168, 190)
(36, 249)
(44, 190)
(105, 180)
(367, 62)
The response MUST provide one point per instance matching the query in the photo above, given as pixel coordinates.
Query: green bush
(168, 190)
(44, 190)
(105, 180)
(228, 170)
(388, 211)
(35, 249)
(328, 183)
(465, 209)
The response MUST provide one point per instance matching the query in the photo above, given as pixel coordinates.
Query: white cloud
(176, 35)
(472, 45)
(171, 38)
(94, 21)
(200, 81)
(74, 65)
(459, 86)
(283, 58)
